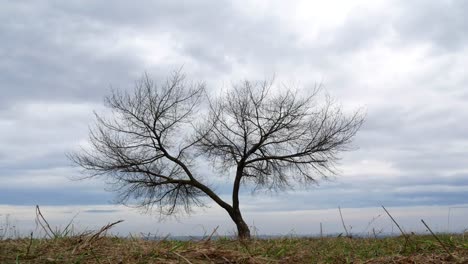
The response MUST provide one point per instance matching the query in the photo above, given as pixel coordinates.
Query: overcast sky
(402, 61)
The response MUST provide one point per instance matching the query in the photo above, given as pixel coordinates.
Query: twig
(96, 236)
(163, 239)
(225, 259)
(370, 223)
(407, 239)
(30, 244)
(394, 221)
(65, 231)
(184, 258)
(321, 230)
(438, 240)
(208, 258)
(212, 233)
(45, 226)
(342, 221)
(104, 229)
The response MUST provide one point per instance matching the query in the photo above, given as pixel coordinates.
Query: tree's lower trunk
(243, 231)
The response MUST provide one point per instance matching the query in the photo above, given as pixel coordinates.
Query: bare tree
(149, 147)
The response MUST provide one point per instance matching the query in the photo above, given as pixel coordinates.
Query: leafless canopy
(135, 147)
(148, 147)
(276, 138)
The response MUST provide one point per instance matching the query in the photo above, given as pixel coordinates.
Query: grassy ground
(66, 246)
(89, 248)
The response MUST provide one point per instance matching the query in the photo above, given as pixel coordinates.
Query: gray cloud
(403, 62)
(367, 191)
(440, 23)
(52, 55)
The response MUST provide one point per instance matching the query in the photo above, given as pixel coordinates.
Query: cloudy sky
(402, 61)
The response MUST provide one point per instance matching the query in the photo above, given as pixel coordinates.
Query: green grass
(82, 249)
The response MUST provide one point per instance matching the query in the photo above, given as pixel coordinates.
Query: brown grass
(67, 246)
(79, 249)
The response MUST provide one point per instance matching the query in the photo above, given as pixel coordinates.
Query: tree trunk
(243, 231)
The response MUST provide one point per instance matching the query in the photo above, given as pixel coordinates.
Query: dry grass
(67, 246)
(80, 249)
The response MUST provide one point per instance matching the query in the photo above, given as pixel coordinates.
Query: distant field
(94, 248)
